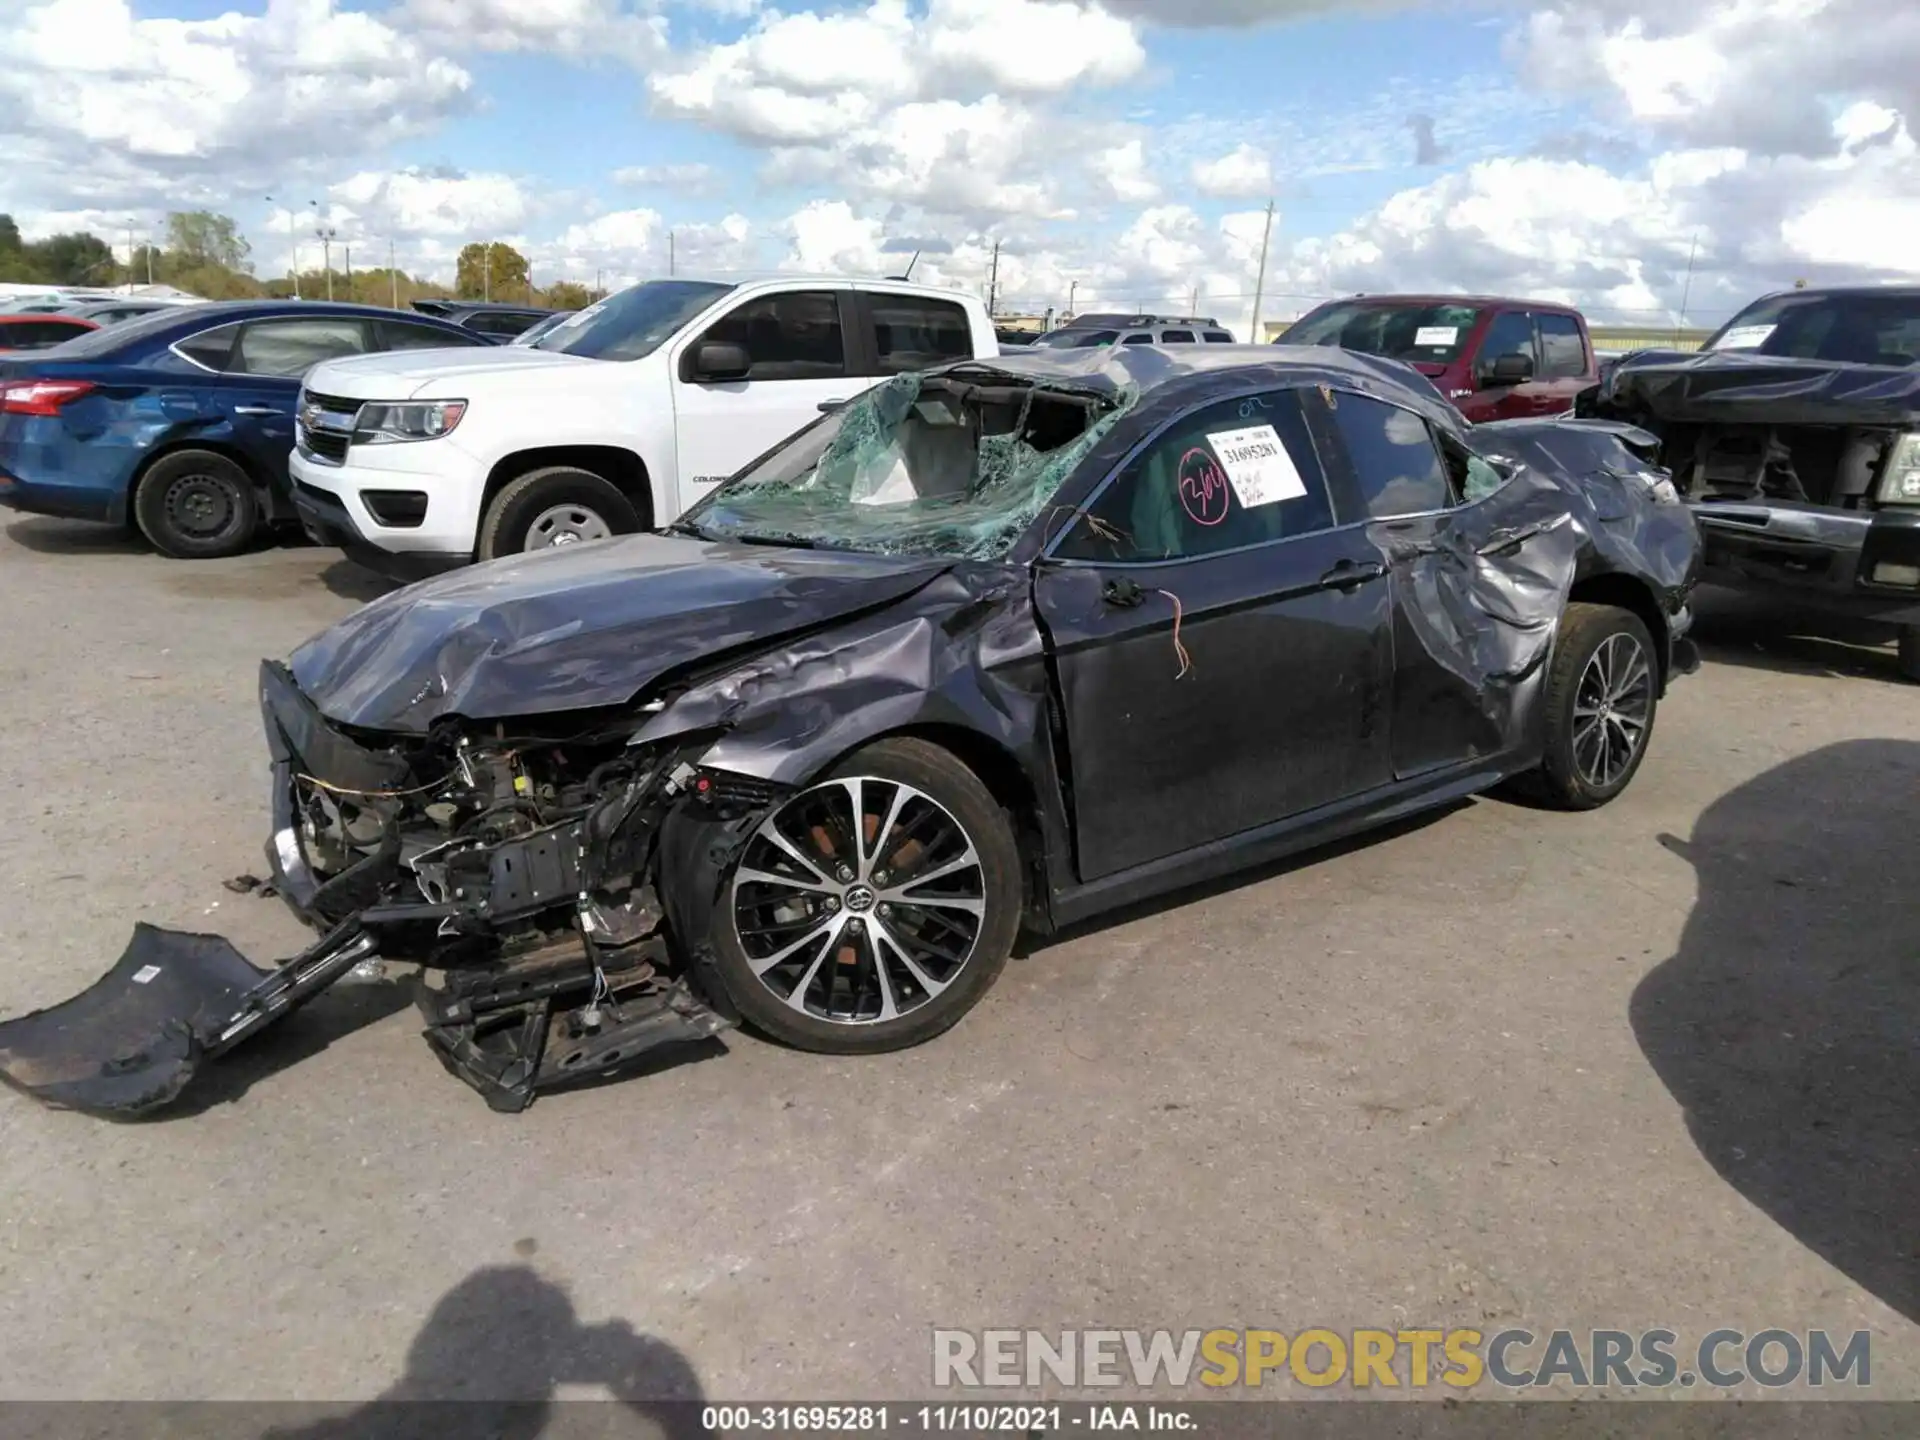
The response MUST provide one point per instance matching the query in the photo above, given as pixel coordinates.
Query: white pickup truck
(615, 421)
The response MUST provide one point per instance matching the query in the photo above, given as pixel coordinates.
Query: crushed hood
(1733, 387)
(580, 627)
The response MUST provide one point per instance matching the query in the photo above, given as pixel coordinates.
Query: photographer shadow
(491, 1359)
(1787, 1025)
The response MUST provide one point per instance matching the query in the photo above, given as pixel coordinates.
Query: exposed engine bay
(1828, 465)
(518, 875)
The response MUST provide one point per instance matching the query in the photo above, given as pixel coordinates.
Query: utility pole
(670, 254)
(1073, 289)
(1260, 285)
(393, 273)
(596, 283)
(1686, 292)
(486, 272)
(993, 281)
(529, 282)
(348, 265)
(129, 257)
(1193, 301)
(326, 235)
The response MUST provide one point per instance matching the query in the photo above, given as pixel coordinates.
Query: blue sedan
(180, 422)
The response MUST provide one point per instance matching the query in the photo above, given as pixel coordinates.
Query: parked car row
(1794, 434)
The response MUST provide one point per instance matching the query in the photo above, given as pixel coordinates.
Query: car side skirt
(1249, 849)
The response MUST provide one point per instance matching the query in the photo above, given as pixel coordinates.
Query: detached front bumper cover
(509, 1024)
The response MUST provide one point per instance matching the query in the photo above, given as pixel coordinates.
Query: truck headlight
(412, 420)
(1900, 478)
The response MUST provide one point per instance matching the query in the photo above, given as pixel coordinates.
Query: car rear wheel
(873, 909)
(197, 505)
(1602, 694)
(558, 505)
(1910, 652)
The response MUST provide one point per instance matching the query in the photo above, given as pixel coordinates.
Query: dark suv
(1090, 332)
(1794, 434)
(497, 322)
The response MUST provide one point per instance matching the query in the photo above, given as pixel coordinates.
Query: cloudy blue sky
(1120, 151)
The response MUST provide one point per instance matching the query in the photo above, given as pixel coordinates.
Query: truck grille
(324, 444)
(331, 430)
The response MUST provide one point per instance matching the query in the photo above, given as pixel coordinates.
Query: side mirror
(1502, 370)
(716, 360)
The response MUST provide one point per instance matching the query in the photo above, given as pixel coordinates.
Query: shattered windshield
(1845, 329)
(946, 464)
(1417, 333)
(633, 323)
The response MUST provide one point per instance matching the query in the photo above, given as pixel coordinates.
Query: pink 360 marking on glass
(1204, 492)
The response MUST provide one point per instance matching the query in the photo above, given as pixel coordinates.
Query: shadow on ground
(46, 536)
(491, 1358)
(327, 1018)
(1787, 1025)
(1762, 633)
(351, 582)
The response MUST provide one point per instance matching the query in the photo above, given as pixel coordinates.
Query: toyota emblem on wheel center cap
(859, 899)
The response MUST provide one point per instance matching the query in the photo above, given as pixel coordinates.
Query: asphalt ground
(1650, 1066)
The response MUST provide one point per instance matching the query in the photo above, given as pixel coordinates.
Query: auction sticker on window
(1257, 465)
(1436, 335)
(1744, 337)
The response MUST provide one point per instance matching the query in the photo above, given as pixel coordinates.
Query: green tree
(200, 237)
(73, 259)
(490, 270)
(9, 235)
(566, 295)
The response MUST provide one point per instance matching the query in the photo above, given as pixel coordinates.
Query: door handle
(827, 407)
(1349, 573)
(257, 410)
(1123, 593)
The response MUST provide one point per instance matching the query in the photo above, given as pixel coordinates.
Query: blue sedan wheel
(197, 505)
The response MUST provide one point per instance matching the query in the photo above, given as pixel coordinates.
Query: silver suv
(1088, 332)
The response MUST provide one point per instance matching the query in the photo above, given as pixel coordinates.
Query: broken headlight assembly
(381, 424)
(1900, 479)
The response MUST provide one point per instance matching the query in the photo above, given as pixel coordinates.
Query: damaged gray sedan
(1004, 644)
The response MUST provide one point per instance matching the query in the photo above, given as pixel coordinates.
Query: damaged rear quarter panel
(1479, 590)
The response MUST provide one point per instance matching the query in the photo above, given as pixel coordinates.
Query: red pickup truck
(1494, 359)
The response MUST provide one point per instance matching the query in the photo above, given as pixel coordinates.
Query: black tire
(1573, 775)
(844, 976)
(507, 527)
(1909, 653)
(197, 505)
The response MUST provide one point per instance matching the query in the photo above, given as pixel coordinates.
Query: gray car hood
(580, 627)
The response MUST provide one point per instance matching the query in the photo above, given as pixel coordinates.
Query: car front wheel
(559, 505)
(1602, 693)
(874, 908)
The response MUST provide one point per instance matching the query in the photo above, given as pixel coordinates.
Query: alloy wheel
(859, 900)
(1611, 706)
